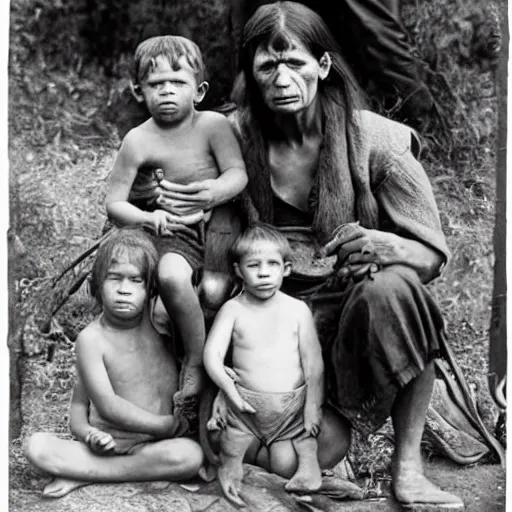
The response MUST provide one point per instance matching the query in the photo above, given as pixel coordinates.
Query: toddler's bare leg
(75, 465)
(182, 304)
(234, 444)
(308, 476)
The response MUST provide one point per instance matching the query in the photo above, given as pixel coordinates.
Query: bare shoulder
(134, 135)
(91, 336)
(141, 134)
(231, 307)
(212, 120)
(296, 309)
(294, 304)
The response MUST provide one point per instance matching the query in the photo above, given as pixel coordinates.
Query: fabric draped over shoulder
(381, 150)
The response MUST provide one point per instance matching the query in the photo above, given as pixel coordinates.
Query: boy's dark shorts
(188, 243)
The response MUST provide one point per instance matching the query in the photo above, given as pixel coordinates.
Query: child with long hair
(121, 410)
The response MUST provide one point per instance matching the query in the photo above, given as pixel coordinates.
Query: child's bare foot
(230, 476)
(412, 488)
(191, 382)
(59, 487)
(306, 479)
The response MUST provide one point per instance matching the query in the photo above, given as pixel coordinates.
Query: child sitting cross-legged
(273, 395)
(121, 411)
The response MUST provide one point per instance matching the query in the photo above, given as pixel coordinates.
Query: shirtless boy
(129, 376)
(277, 394)
(193, 151)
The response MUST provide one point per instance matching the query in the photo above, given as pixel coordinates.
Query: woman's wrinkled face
(288, 75)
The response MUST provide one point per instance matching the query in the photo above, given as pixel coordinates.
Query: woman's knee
(215, 289)
(390, 281)
(334, 439)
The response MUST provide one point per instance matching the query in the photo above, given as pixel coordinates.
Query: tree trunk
(498, 327)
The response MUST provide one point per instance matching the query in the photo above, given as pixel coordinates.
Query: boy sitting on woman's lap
(127, 376)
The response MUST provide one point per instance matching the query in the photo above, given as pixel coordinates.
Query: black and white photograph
(256, 255)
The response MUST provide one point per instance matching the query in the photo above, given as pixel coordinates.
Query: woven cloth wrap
(278, 416)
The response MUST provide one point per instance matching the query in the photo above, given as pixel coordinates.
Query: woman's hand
(364, 251)
(188, 199)
(361, 251)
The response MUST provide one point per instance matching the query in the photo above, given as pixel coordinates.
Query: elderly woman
(342, 181)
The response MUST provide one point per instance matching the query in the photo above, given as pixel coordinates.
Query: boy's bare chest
(183, 159)
(267, 332)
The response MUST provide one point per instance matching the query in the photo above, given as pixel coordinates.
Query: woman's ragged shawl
(381, 154)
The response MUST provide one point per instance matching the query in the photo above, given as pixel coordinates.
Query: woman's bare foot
(59, 487)
(412, 487)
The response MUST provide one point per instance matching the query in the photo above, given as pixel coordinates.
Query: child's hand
(312, 419)
(219, 413)
(159, 221)
(184, 199)
(231, 373)
(99, 442)
(239, 403)
(163, 223)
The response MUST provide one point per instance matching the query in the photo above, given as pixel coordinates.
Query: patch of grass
(45, 402)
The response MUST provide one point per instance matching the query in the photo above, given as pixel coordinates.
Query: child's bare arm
(313, 368)
(214, 353)
(113, 408)
(227, 153)
(98, 441)
(122, 176)
(126, 165)
(79, 411)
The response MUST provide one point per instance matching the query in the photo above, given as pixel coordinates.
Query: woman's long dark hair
(278, 25)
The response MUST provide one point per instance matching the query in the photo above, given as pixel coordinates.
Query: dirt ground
(482, 488)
